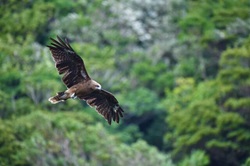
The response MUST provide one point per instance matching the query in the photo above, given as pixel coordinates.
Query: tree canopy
(180, 70)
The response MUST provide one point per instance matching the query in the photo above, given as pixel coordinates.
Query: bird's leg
(71, 93)
(73, 96)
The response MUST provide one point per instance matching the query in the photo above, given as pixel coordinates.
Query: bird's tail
(60, 97)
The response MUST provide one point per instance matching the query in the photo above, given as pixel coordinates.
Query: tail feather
(60, 97)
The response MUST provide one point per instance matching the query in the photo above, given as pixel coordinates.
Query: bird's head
(95, 85)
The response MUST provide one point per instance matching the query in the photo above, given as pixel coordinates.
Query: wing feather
(105, 104)
(68, 62)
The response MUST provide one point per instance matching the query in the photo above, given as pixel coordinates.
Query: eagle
(79, 84)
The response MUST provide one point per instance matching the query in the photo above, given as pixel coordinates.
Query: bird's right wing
(105, 104)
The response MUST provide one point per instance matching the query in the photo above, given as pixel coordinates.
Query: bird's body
(80, 90)
(79, 84)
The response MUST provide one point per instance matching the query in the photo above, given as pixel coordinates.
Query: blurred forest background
(179, 68)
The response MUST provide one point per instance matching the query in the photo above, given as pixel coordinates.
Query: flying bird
(79, 84)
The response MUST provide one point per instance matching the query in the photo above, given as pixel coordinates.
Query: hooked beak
(98, 87)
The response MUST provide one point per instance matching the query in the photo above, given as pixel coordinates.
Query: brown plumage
(79, 84)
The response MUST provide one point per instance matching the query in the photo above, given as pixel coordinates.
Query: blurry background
(180, 69)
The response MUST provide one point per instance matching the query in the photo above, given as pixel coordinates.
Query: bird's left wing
(68, 62)
(105, 104)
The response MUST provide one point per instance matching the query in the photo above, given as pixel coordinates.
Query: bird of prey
(79, 84)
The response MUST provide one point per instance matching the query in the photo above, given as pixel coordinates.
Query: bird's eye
(98, 86)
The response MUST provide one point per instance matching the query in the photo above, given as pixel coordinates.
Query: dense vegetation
(180, 69)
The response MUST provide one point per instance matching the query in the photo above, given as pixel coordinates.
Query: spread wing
(105, 104)
(68, 62)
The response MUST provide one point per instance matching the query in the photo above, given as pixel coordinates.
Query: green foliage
(197, 158)
(138, 106)
(216, 118)
(247, 163)
(141, 154)
(145, 73)
(235, 66)
(31, 18)
(212, 14)
(180, 70)
(75, 140)
(7, 142)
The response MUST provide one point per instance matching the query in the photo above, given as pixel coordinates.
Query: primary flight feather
(79, 84)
